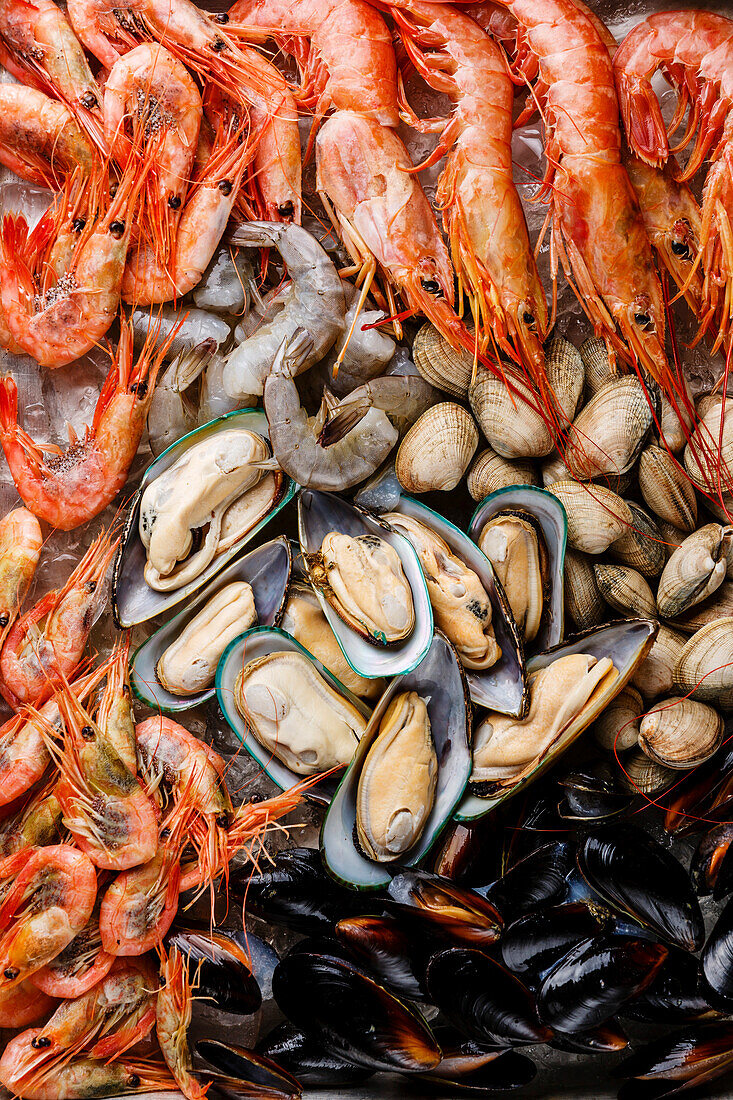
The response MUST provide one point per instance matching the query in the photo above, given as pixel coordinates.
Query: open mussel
(678, 1062)
(352, 1015)
(176, 668)
(632, 872)
(384, 810)
(243, 1073)
(190, 523)
(533, 944)
(440, 909)
(369, 583)
(310, 1063)
(222, 967)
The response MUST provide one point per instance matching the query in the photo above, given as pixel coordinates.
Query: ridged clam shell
(708, 457)
(676, 425)
(625, 589)
(565, 373)
(598, 368)
(717, 606)
(665, 488)
(440, 364)
(609, 431)
(639, 773)
(655, 676)
(513, 427)
(596, 515)
(680, 733)
(641, 545)
(489, 472)
(436, 452)
(583, 601)
(617, 727)
(705, 668)
(695, 570)
(672, 537)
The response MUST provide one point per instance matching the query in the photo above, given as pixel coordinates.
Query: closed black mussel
(509, 1070)
(309, 1062)
(717, 959)
(711, 869)
(435, 904)
(534, 882)
(242, 1073)
(382, 946)
(591, 794)
(700, 790)
(631, 871)
(596, 979)
(608, 1038)
(352, 1015)
(678, 1062)
(676, 994)
(222, 970)
(536, 942)
(483, 999)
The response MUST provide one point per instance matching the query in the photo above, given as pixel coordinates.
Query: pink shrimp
(71, 487)
(172, 1020)
(40, 140)
(81, 964)
(20, 549)
(115, 715)
(24, 1005)
(694, 50)
(35, 823)
(47, 642)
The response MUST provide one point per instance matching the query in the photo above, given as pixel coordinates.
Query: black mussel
(296, 891)
(319, 945)
(462, 1055)
(469, 851)
(309, 1062)
(222, 968)
(483, 999)
(675, 995)
(678, 1062)
(700, 790)
(352, 1015)
(536, 942)
(246, 1073)
(635, 874)
(595, 979)
(533, 882)
(509, 1070)
(384, 947)
(232, 1088)
(608, 1038)
(711, 869)
(591, 794)
(452, 912)
(717, 959)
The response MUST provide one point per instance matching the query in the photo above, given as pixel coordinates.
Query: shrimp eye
(4, 620)
(87, 733)
(286, 209)
(174, 202)
(431, 285)
(681, 249)
(117, 229)
(225, 186)
(78, 224)
(642, 319)
(140, 388)
(89, 100)
(164, 834)
(528, 318)
(222, 17)
(134, 1081)
(11, 972)
(40, 1042)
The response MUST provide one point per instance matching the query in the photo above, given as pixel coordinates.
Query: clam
(694, 571)
(717, 606)
(176, 667)
(672, 537)
(436, 452)
(489, 472)
(133, 599)
(510, 417)
(607, 435)
(675, 423)
(705, 667)
(642, 774)
(290, 713)
(583, 601)
(680, 733)
(642, 545)
(565, 373)
(655, 675)
(708, 457)
(324, 515)
(377, 790)
(666, 488)
(522, 531)
(570, 686)
(440, 364)
(596, 515)
(617, 727)
(304, 620)
(599, 369)
(625, 590)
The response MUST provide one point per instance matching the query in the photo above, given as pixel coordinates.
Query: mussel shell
(133, 601)
(258, 642)
(266, 569)
(697, 792)
(440, 681)
(595, 979)
(607, 1038)
(467, 849)
(590, 796)
(711, 869)
(483, 999)
(311, 1064)
(382, 946)
(534, 882)
(676, 994)
(534, 943)
(635, 874)
(244, 1065)
(237, 1088)
(510, 1070)
(461, 1055)
(502, 687)
(352, 1015)
(549, 514)
(679, 1061)
(443, 910)
(222, 969)
(717, 960)
(318, 515)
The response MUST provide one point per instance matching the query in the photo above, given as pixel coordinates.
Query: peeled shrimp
(40, 140)
(20, 549)
(314, 301)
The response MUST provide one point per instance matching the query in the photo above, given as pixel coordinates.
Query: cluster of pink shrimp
(102, 824)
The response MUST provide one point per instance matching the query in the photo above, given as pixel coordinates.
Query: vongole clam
(228, 500)
(596, 515)
(369, 584)
(290, 713)
(705, 666)
(695, 570)
(395, 810)
(176, 667)
(489, 472)
(436, 452)
(680, 733)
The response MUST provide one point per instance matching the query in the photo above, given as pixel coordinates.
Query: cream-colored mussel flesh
(513, 546)
(506, 748)
(460, 602)
(194, 495)
(396, 789)
(296, 715)
(304, 620)
(189, 664)
(363, 580)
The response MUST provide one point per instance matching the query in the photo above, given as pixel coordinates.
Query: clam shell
(717, 606)
(680, 733)
(489, 472)
(617, 727)
(565, 373)
(439, 680)
(708, 457)
(598, 367)
(626, 643)
(512, 426)
(440, 364)
(266, 569)
(133, 601)
(645, 776)
(596, 515)
(666, 489)
(256, 643)
(607, 435)
(436, 452)
(695, 570)
(584, 603)
(672, 537)
(625, 590)
(320, 513)
(655, 675)
(705, 668)
(641, 545)
(675, 424)
(503, 686)
(545, 510)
